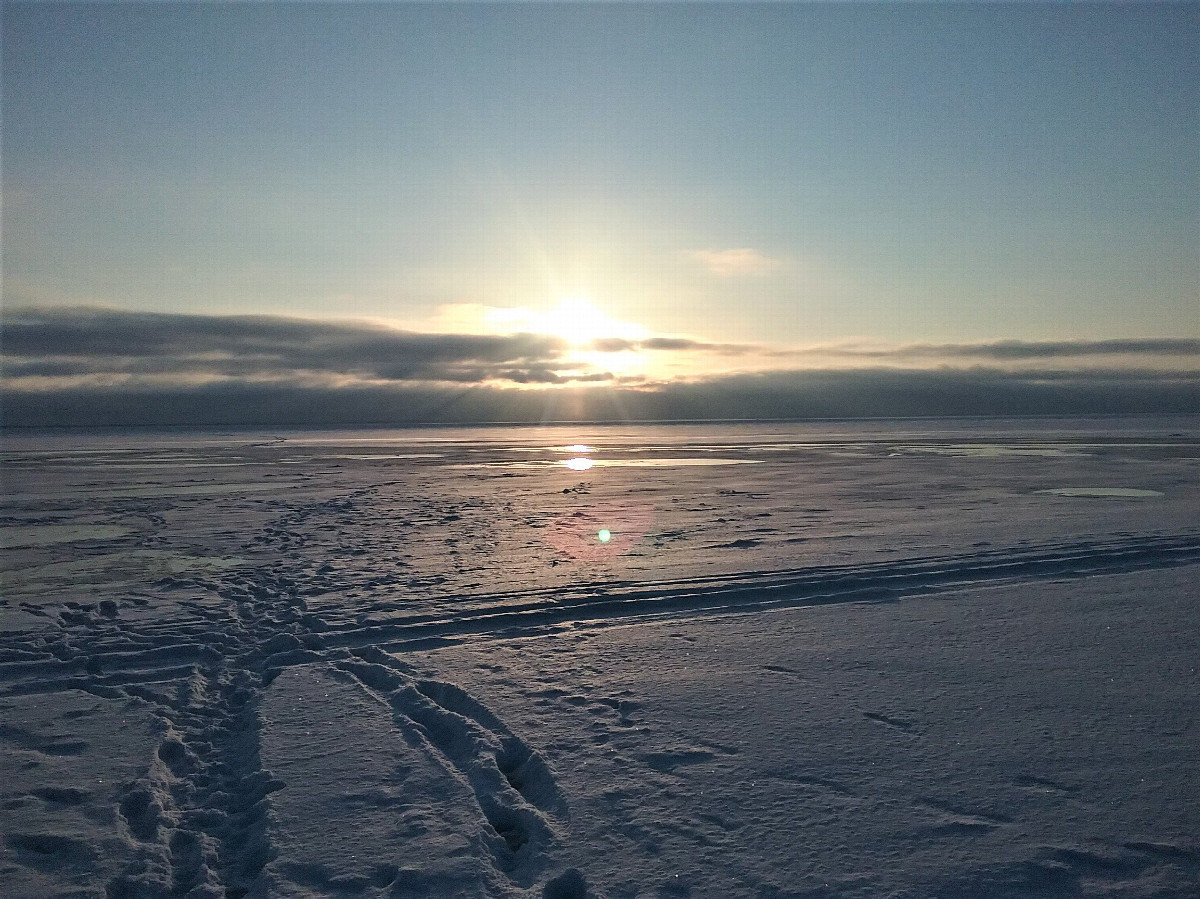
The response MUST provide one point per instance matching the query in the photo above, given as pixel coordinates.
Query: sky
(649, 199)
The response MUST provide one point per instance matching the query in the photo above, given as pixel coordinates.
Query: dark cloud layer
(844, 394)
(83, 341)
(1009, 350)
(152, 369)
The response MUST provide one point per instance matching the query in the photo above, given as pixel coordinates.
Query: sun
(579, 322)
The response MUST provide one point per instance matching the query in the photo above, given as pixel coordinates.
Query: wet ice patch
(145, 564)
(47, 534)
(194, 489)
(1101, 491)
(378, 457)
(155, 491)
(578, 464)
(671, 463)
(992, 450)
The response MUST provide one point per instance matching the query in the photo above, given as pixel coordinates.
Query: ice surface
(1130, 492)
(919, 659)
(43, 535)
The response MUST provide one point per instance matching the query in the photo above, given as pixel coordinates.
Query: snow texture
(903, 659)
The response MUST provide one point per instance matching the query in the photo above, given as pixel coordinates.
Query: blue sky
(779, 175)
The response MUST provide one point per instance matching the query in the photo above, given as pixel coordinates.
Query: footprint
(568, 885)
(782, 669)
(53, 744)
(1045, 785)
(667, 762)
(959, 819)
(901, 724)
(61, 795)
(49, 851)
(836, 787)
(529, 775)
(141, 812)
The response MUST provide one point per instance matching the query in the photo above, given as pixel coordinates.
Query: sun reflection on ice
(579, 463)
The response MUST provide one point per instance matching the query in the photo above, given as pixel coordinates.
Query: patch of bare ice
(992, 450)
(46, 534)
(1129, 492)
(576, 465)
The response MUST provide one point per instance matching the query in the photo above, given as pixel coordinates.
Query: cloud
(735, 261)
(863, 393)
(1016, 350)
(1010, 354)
(976, 391)
(101, 367)
(78, 342)
(673, 344)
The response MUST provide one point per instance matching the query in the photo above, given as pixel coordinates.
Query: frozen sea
(920, 658)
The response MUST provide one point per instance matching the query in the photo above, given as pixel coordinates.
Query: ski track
(199, 816)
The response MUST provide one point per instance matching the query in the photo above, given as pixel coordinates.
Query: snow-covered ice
(907, 659)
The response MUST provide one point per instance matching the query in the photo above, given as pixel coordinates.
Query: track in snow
(199, 816)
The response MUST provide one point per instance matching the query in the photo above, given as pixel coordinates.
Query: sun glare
(574, 320)
(578, 322)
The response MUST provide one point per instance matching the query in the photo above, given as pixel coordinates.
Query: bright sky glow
(577, 321)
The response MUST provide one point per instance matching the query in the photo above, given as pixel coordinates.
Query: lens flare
(601, 531)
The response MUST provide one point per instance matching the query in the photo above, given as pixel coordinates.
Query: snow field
(878, 663)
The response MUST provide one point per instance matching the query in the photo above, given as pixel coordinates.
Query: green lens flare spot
(604, 535)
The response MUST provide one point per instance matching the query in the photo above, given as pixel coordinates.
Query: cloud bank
(98, 368)
(92, 342)
(1016, 350)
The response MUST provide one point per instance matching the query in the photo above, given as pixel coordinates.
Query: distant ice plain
(908, 658)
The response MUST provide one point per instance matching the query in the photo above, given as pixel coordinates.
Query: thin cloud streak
(1002, 350)
(734, 261)
(673, 344)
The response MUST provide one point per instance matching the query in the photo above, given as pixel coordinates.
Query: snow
(880, 661)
